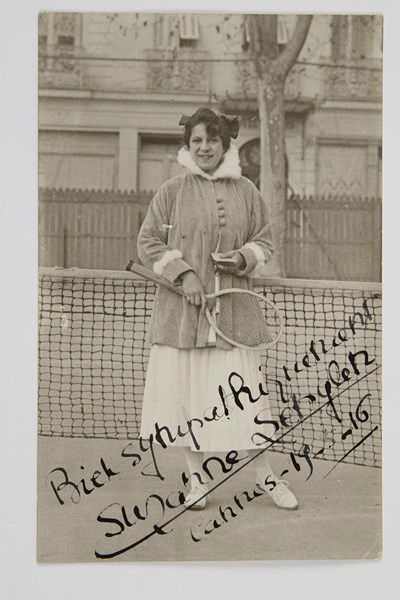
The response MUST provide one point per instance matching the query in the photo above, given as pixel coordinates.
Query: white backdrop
(21, 576)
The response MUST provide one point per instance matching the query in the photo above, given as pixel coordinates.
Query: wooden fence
(88, 228)
(334, 237)
(326, 238)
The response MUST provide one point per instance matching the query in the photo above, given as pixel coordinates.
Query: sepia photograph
(209, 287)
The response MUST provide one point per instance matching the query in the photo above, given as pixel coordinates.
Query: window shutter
(362, 30)
(189, 27)
(340, 37)
(64, 26)
(283, 32)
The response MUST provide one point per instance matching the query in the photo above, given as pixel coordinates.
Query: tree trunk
(272, 167)
(272, 68)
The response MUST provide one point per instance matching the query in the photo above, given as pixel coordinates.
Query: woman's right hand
(193, 290)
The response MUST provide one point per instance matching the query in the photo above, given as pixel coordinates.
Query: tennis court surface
(338, 517)
(92, 364)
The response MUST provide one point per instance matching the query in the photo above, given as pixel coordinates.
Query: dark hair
(213, 124)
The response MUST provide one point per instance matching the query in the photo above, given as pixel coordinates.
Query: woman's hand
(193, 290)
(229, 262)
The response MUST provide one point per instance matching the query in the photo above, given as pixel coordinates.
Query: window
(172, 31)
(340, 33)
(188, 31)
(250, 161)
(157, 161)
(348, 167)
(59, 30)
(78, 160)
(362, 34)
(356, 37)
(187, 43)
(65, 28)
(65, 40)
(189, 27)
(59, 46)
(283, 31)
(249, 155)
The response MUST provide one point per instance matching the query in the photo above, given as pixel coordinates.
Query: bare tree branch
(289, 55)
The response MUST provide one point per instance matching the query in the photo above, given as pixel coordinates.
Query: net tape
(93, 358)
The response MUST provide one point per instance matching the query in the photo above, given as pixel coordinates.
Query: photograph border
(365, 579)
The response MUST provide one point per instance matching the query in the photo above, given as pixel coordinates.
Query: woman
(209, 210)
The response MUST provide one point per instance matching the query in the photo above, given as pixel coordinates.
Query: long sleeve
(153, 248)
(259, 248)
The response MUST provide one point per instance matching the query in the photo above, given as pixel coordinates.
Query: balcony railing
(343, 81)
(354, 81)
(188, 71)
(61, 67)
(157, 70)
(299, 82)
(168, 70)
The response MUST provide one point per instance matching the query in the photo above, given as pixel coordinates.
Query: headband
(229, 124)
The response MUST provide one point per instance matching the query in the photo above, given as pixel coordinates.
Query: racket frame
(147, 274)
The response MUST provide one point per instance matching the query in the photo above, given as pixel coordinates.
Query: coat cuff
(171, 265)
(254, 256)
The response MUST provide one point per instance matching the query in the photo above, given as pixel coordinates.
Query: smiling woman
(206, 139)
(207, 230)
(205, 150)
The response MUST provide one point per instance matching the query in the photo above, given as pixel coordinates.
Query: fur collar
(229, 168)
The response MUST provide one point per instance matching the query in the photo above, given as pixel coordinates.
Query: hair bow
(228, 122)
(231, 123)
(184, 120)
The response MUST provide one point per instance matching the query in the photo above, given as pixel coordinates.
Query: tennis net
(93, 358)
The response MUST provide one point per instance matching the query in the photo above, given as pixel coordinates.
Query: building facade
(112, 88)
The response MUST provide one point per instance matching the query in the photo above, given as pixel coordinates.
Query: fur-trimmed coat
(185, 220)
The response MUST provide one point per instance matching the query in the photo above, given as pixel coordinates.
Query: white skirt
(184, 384)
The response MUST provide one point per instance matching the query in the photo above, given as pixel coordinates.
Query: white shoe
(282, 496)
(194, 500)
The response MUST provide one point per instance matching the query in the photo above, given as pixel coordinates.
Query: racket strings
(246, 319)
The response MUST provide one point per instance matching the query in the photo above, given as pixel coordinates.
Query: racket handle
(147, 274)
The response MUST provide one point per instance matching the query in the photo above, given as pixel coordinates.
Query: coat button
(222, 222)
(220, 200)
(221, 211)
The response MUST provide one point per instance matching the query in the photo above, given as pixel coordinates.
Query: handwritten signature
(340, 378)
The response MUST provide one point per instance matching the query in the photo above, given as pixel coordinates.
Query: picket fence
(326, 237)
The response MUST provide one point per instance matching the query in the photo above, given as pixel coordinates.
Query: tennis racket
(244, 318)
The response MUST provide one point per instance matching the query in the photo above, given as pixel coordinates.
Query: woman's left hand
(229, 262)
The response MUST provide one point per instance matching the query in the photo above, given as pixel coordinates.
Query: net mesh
(93, 358)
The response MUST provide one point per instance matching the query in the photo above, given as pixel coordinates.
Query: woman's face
(205, 150)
